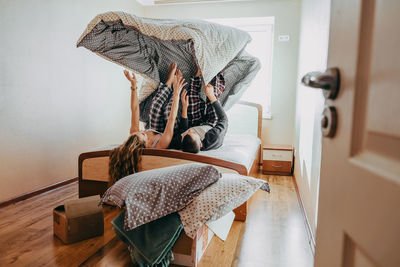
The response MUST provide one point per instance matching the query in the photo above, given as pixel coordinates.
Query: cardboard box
(188, 252)
(78, 219)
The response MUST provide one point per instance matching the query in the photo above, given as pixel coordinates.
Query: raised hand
(130, 78)
(134, 102)
(209, 90)
(184, 99)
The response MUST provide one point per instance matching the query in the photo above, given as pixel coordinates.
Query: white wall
(313, 53)
(56, 100)
(278, 130)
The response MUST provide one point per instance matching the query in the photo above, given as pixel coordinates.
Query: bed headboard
(245, 118)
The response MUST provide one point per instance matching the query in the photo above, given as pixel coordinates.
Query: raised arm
(178, 84)
(222, 118)
(215, 136)
(134, 103)
(183, 123)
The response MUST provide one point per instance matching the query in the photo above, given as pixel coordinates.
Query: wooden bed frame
(93, 180)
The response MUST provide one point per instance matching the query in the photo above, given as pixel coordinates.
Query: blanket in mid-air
(148, 46)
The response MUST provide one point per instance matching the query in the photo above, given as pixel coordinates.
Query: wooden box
(277, 159)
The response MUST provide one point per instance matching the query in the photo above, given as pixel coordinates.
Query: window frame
(257, 24)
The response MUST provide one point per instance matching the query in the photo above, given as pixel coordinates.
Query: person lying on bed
(207, 119)
(124, 159)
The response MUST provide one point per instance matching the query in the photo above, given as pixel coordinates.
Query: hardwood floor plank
(220, 253)
(115, 253)
(275, 233)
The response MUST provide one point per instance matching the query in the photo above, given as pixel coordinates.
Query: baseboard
(311, 239)
(37, 192)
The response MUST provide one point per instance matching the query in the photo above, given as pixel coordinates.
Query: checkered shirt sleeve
(200, 112)
(159, 102)
(196, 106)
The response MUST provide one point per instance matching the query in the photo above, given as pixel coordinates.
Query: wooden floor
(273, 235)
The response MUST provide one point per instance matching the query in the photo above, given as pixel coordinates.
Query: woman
(124, 159)
(151, 137)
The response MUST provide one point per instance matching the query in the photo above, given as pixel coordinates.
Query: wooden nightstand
(277, 159)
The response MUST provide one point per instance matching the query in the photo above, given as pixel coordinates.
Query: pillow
(228, 193)
(149, 195)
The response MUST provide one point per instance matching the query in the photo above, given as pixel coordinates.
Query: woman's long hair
(125, 159)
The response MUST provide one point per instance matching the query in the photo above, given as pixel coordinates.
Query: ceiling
(166, 2)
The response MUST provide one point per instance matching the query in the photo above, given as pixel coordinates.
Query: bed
(240, 153)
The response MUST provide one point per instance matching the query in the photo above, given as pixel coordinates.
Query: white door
(359, 200)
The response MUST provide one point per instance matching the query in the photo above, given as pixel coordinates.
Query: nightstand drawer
(277, 166)
(279, 155)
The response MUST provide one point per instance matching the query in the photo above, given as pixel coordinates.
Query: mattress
(241, 149)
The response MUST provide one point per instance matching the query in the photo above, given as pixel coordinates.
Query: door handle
(329, 81)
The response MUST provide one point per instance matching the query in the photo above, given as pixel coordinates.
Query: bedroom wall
(56, 101)
(279, 129)
(314, 37)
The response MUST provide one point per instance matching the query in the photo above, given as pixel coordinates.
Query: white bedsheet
(240, 149)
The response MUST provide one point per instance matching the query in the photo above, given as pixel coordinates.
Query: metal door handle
(329, 81)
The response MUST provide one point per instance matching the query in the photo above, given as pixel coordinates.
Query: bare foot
(171, 75)
(198, 73)
(178, 83)
(178, 76)
(179, 73)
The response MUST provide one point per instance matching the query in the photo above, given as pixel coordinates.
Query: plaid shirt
(200, 111)
(160, 108)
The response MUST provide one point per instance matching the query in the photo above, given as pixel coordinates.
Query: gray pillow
(217, 200)
(149, 195)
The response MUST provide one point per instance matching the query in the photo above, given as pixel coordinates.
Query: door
(359, 200)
